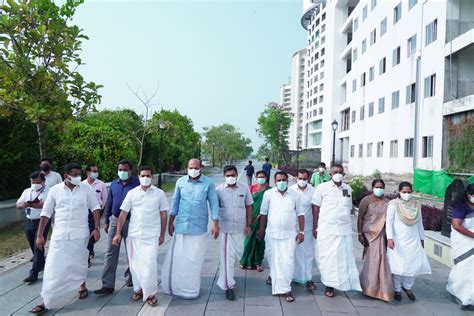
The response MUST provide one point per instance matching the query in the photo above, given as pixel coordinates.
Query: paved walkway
(253, 295)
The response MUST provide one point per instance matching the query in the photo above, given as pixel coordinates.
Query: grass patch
(13, 240)
(168, 187)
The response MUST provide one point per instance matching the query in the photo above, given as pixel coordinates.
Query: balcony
(459, 74)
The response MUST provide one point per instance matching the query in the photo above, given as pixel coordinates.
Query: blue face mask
(261, 181)
(378, 192)
(123, 175)
(282, 185)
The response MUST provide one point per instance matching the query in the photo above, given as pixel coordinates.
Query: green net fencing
(434, 182)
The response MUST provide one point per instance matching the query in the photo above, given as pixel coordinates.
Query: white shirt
(71, 210)
(392, 217)
(283, 211)
(145, 208)
(31, 195)
(335, 208)
(232, 203)
(306, 195)
(100, 191)
(52, 179)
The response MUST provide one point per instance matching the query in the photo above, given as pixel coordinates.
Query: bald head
(194, 163)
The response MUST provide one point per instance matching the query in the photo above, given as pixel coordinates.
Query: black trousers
(90, 245)
(31, 229)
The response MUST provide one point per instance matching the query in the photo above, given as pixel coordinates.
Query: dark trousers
(31, 228)
(90, 245)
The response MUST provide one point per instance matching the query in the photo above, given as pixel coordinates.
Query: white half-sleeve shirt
(307, 196)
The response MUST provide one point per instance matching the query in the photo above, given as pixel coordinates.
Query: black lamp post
(298, 140)
(160, 158)
(334, 129)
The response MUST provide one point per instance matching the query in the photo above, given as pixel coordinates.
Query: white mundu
(66, 264)
(334, 244)
(143, 236)
(282, 228)
(304, 254)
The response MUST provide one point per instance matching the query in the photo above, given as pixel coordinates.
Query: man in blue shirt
(117, 192)
(189, 219)
(267, 167)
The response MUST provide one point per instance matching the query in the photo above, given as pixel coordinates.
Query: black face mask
(45, 168)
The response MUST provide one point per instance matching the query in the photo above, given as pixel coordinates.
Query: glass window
(371, 73)
(369, 150)
(353, 116)
(371, 109)
(382, 66)
(397, 13)
(373, 4)
(361, 113)
(411, 46)
(395, 99)
(427, 146)
(431, 32)
(352, 151)
(373, 37)
(354, 85)
(364, 13)
(411, 93)
(362, 80)
(412, 3)
(409, 147)
(361, 150)
(383, 27)
(380, 149)
(354, 55)
(381, 105)
(356, 24)
(430, 86)
(394, 148)
(364, 45)
(396, 56)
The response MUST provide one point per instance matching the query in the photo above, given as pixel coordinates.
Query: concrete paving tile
(7, 307)
(443, 307)
(222, 313)
(24, 293)
(339, 303)
(259, 310)
(81, 312)
(359, 299)
(262, 298)
(411, 308)
(300, 308)
(337, 314)
(120, 310)
(219, 302)
(376, 311)
(13, 278)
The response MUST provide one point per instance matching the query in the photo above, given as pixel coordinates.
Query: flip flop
(39, 309)
(269, 281)
(83, 294)
(152, 301)
(329, 292)
(136, 296)
(259, 268)
(289, 297)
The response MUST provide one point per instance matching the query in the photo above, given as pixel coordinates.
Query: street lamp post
(298, 140)
(334, 129)
(160, 158)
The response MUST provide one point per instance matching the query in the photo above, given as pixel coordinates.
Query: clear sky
(214, 61)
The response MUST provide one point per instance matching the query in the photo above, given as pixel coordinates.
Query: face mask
(405, 196)
(194, 173)
(471, 199)
(145, 181)
(123, 175)
(36, 186)
(74, 180)
(261, 181)
(45, 168)
(378, 192)
(282, 185)
(337, 177)
(94, 175)
(321, 169)
(230, 180)
(302, 183)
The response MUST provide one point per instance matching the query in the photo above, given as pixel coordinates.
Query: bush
(376, 174)
(432, 217)
(359, 190)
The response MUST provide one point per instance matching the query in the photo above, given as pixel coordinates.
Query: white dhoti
(304, 258)
(142, 259)
(336, 262)
(181, 272)
(461, 277)
(231, 249)
(281, 259)
(65, 270)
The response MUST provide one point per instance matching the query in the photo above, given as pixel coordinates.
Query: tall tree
(39, 58)
(274, 123)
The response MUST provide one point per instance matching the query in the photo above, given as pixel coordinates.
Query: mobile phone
(345, 193)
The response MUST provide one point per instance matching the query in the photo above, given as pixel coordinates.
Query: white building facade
(381, 69)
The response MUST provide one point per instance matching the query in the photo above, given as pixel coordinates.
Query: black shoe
(229, 294)
(410, 294)
(128, 281)
(104, 290)
(397, 296)
(31, 259)
(32, 278)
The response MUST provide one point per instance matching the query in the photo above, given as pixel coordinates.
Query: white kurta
(144, 230)
(231, 249)
(408, 258)
(181, 272)
(334, 245)
(461, 277)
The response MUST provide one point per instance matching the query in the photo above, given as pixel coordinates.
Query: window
(395, 99)
(361, 150)
(364, 45)
(397, 13)
(354, 85)
(430, 86)
(352, 151)
(354, 55)
(362, 113)
(371, 109)
(382, 65)
(431, 32)
(373, 37)
(412, 3)
(381, 105)
(373, 4)
(364, 13)
(323, 51)
(409, 147)
(356, 24)
(362, 80)
(394, 148)
(369, 150)
(411, 46)
(320, 111)
(353, 116)
(383, 27)
(411, 93)
(396, 56)
(371, 73)
(427, 146)
(380, 149)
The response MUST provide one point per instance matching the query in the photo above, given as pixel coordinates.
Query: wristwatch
(301, 233)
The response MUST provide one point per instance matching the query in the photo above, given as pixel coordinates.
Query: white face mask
(145, 181)
(471, 199)
(321, 169)
(74, 180)
(302, 183)
(337, 177)
(194, 173)
(405, 196)
(230, 180)
(36, 186)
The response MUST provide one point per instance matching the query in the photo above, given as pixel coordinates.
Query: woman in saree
(254, 248)
(375, 277)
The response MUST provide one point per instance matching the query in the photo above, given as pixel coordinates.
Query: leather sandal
(39, 309)
(289, 297)
(329, 292)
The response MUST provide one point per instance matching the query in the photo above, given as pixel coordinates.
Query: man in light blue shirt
(193, 196)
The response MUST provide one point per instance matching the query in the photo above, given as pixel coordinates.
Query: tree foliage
(274, 123)
(461, 147)
(39, 57)
(227, 144)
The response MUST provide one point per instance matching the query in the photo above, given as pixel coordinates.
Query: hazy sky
(215, 61)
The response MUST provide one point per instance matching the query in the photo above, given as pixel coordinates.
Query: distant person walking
(267, 167)
(320, 175)
(250, 170)
(51, 177)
